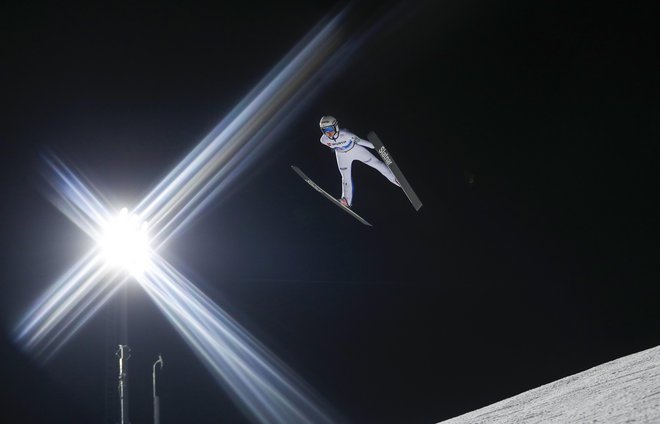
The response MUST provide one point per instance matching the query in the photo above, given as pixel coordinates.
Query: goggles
(331, 128)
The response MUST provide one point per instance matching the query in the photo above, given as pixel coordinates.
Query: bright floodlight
(125, 243)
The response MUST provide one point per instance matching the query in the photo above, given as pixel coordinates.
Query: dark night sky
(528, 129)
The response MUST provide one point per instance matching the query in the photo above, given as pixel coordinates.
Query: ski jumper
(349, 147)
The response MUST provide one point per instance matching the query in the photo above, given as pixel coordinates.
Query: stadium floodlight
(262, 385)
(125, 244)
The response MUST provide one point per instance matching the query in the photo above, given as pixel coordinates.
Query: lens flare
(263, 387)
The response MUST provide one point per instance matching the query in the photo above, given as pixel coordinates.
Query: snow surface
(626, 390)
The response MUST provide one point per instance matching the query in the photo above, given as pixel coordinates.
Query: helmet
(329, 124)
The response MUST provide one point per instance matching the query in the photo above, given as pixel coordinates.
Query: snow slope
(621, 391)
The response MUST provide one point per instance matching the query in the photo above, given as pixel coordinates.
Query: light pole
(156, 400)
(124, 353)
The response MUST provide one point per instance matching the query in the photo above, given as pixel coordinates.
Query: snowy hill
(624, 390)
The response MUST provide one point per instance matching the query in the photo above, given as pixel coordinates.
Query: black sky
(528, 129)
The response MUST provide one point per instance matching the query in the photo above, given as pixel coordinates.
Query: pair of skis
(389, 161)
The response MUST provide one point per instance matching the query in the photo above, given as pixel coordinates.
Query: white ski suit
(349, 147)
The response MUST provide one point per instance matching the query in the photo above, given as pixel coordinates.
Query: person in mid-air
(349, 147)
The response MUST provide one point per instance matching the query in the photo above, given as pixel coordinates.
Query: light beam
(265, 388)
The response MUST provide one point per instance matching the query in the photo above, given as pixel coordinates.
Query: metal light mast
(156, 399)
(124, 353)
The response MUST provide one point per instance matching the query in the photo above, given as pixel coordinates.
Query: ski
(327, 196)
(389, 161)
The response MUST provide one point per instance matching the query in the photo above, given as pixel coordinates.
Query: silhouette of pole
(156, 399)
(124, 353)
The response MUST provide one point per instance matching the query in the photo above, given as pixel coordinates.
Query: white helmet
(329, 124)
